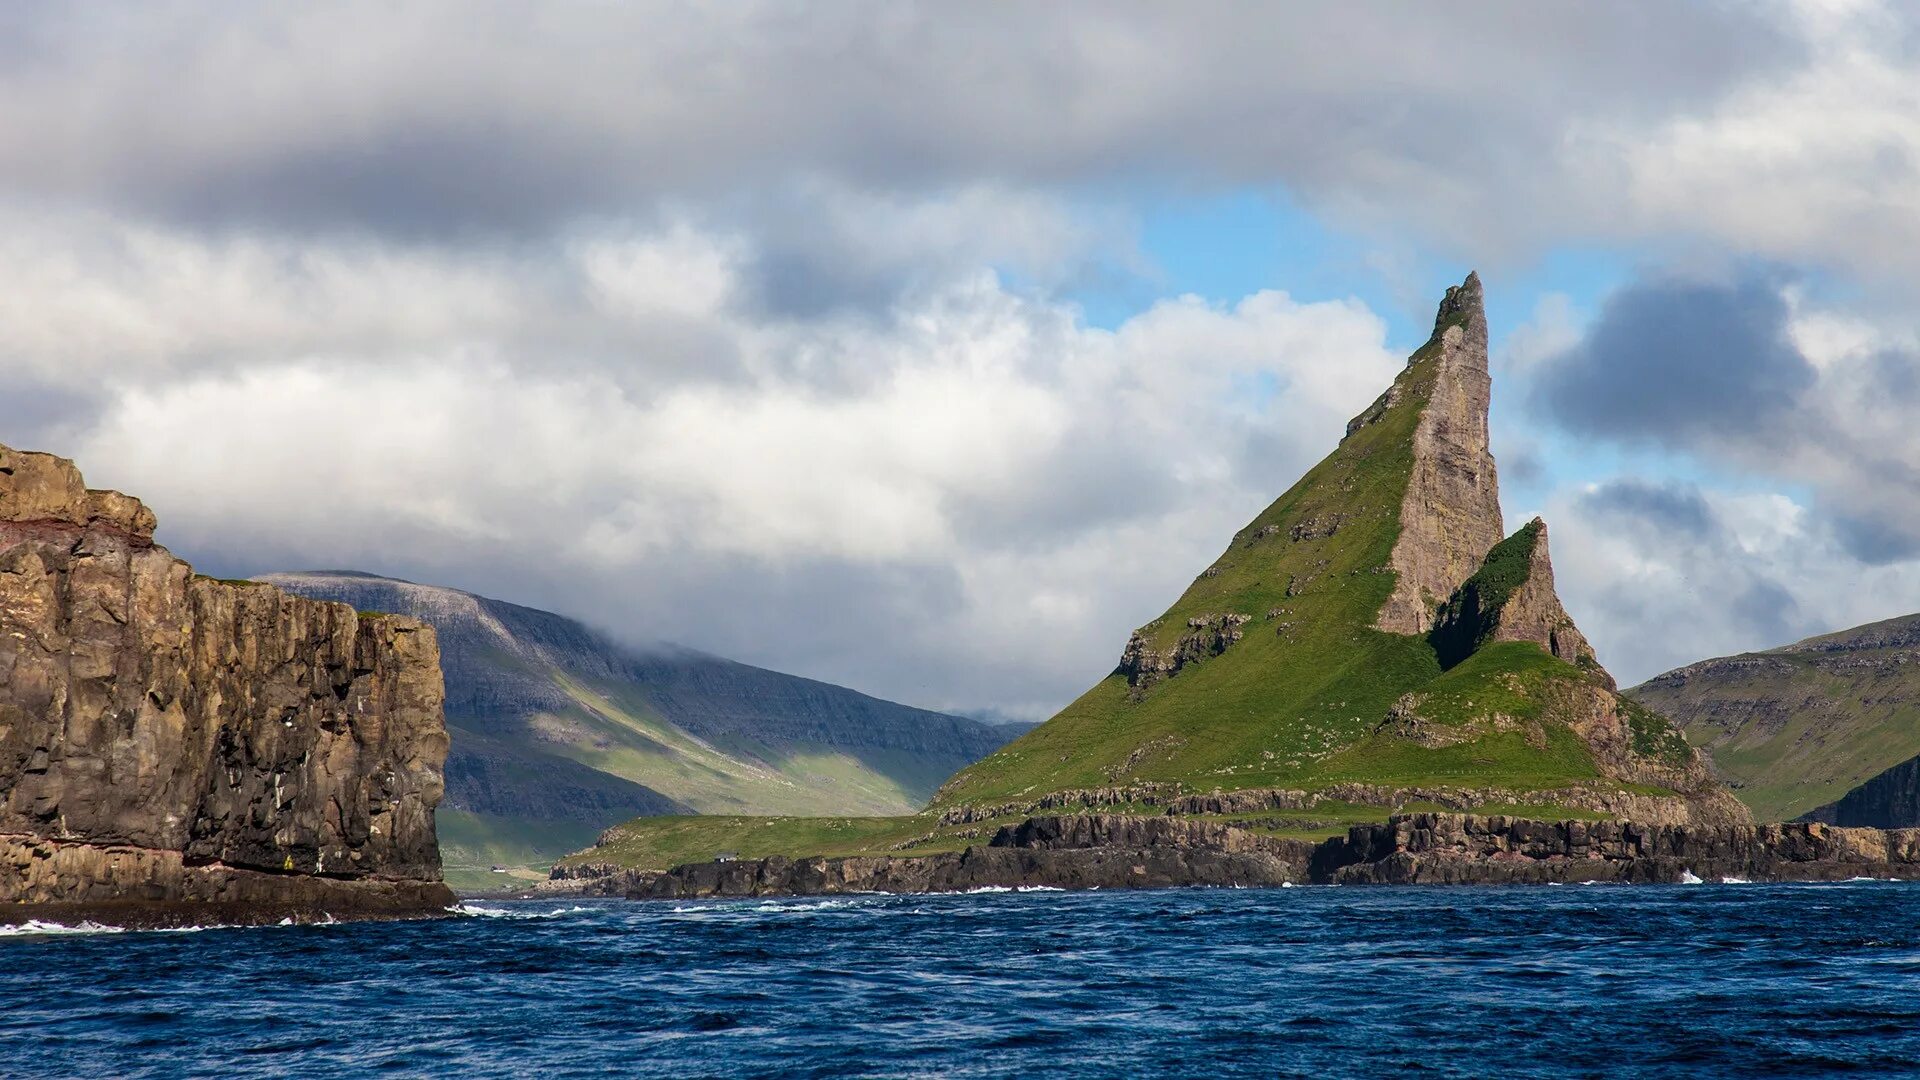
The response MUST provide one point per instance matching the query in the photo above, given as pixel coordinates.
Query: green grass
(660, 843)
(1312, 676)
(471, 844)
(1790, 735)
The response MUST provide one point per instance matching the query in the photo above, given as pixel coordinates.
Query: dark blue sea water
(1709, 980)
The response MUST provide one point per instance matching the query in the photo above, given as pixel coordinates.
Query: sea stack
(1369, 640)
(177, 749)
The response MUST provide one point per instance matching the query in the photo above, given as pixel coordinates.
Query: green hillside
(1796, 728)
(1309, 674)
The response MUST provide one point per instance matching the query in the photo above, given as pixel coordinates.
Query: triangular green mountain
(1369, 642)
(1372, 637)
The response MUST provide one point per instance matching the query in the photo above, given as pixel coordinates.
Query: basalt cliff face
(176, 748)
(1450, 514)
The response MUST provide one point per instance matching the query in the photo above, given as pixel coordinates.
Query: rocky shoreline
(1087, 851)
(143, 888)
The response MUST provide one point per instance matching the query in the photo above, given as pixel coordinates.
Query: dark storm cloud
(1675, 361)
(31, 414)
(504, 115)
(1667, 507)
(1875, 540)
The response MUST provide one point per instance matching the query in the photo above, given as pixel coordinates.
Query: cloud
(962, 499)
(1747, 377)
(1661, 574)
(444, 119)
(1678, 361)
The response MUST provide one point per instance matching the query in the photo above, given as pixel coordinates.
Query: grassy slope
(613, 729)
(1314, 676)
(1818, 735)
(471, 844)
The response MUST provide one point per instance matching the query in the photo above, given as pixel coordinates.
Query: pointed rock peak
(1462, 305)
(1450, 515)
(1512, 598)
(37, 487)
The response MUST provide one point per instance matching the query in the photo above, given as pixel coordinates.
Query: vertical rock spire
(1450, 515)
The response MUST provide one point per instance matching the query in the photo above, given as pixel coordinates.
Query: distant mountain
(559, 731)
(1828, 727)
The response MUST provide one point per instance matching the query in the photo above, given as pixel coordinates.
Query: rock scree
(175, 748)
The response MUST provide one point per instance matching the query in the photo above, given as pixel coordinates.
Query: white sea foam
(987, 889)
(1731, 880)
(36, 928)
(1688, 877)
(1039, 888)
(485, 912)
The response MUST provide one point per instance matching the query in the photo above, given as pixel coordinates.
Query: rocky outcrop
(1207, 635)
(170, 739)
(1109, 851)
(1511, 597)
(1075, 852)
(1450, 514)
(1461, 849)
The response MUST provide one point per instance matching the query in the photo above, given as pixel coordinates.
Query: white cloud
(1055, 484)
(1762, 570)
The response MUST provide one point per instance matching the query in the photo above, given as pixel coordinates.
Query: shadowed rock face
(168, 738)
(1511, 598)
(1450, 515)
(1890, 800)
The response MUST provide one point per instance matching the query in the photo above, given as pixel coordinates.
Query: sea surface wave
(1713, 979)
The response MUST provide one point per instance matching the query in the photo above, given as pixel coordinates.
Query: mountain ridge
(559, 730)
(1807, 728)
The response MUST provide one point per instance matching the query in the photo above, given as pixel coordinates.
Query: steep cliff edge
(1450, 514)
(178, 745)
(1808, 727)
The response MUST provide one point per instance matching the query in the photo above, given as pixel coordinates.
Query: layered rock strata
(170, 740)
(1104, 851)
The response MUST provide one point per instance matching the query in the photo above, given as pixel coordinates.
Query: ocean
(1706, 980)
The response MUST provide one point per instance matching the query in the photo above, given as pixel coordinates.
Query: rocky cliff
(1450, 513)
(174, 743)
(1807, 727)
(1113, 851)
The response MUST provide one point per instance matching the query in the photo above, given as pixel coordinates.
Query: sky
(929, 348)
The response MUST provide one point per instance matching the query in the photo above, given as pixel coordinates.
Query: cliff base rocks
(1119, 851)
